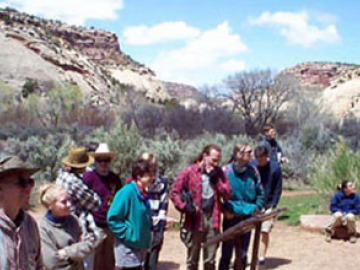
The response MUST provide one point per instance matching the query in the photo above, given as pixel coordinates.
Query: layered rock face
(335, 86)
(50, 51)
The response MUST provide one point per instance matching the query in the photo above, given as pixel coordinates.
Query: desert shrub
(125, 140)
(329, 169)
(168, 152)
(30, 86)
(7, 95)
(44, 152)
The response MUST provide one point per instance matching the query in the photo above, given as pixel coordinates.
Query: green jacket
(129, 217)
(247, 193)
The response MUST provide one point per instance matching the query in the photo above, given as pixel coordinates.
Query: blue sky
(202, 42)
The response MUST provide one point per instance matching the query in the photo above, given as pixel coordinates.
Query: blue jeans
(228, 246)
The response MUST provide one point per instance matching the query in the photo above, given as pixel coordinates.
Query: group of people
(241, 189)
(95, 221)
(92, 221)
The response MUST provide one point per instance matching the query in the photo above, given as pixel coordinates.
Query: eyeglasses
(24, 183)
(103, 160)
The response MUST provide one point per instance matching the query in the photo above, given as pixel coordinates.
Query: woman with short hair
(129, 218)
(63, 244)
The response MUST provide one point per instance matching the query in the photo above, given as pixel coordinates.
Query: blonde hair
(49, 193)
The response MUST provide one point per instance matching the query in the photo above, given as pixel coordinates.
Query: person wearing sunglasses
(105, 183)
(20, 246)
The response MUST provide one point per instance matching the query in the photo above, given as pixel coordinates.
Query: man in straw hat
(19, 234)
(83, 199)
(105, 183)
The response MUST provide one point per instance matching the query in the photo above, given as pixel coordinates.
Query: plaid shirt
(190, 180)
(158, 194)
(83, 199)
(19, 245)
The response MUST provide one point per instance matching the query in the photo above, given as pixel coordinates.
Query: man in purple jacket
(105, 183)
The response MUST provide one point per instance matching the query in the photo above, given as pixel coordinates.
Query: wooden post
(255, 253)
(238, 262)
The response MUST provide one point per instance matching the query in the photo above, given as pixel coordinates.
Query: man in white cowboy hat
(19, 234)
(84, 201)
(105, 183)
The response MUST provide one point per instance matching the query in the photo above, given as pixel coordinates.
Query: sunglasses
(103, 160)
(24, 183)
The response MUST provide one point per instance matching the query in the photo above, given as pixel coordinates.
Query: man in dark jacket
(272, 145)
(271, 180)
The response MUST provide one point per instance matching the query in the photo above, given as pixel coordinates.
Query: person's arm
(80, 250)
(39, 263)
(239, 208)
(175, 193)
(277, 188)
(51, 258)
(223, 186)
(356, 205)
(87, 198)
(117, 214)
(334, 204)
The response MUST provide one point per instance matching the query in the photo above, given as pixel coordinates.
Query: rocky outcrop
(335, 86)
(52, 51)
(322, 74)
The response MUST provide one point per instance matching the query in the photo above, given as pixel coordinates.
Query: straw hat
(78, 158)
(15, 165)
(103, 152)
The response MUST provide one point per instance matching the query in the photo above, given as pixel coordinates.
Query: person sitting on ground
(345, 205)
(20, 246)
(129, 218)
(105, 183)
(63, 244)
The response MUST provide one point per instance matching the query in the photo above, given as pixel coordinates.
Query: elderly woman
(344, 205)
(63, 244)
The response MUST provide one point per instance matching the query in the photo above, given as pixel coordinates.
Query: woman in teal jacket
(129, 218)
(247, 199)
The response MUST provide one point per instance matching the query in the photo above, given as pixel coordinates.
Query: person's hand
(284, 160)
(62, 254)
(256, 212)
(189, 209)
(213, 177)
(228, 215)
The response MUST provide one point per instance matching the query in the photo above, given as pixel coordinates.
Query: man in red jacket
(208, 186)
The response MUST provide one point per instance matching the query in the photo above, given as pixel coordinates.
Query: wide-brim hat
(78, 157)
(13, 164)
(103, 151)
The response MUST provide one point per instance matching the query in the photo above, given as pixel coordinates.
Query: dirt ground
(291, 248)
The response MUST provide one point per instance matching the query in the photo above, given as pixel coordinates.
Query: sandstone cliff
(53, 53)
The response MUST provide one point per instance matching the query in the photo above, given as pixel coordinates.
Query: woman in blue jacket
(345, 205)
(130, 220)
(246, 200)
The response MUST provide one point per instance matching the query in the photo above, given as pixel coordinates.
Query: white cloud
(297, 29)
(70, 11)
(163, 32)
(233, 65)
(200, 59)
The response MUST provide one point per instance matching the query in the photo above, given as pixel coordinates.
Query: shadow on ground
(164, 265)
(273, 263)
